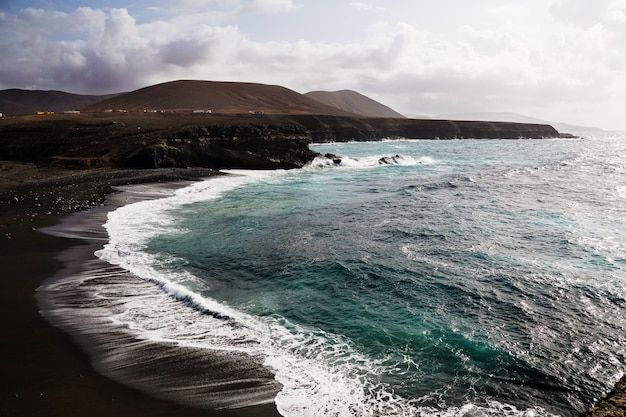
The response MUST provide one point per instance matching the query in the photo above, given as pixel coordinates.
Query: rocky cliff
(153, 142)
(150, 140)
(340, 129)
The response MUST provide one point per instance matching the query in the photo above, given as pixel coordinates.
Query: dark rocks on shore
(614, 405)
(389, 160)
(40, 190)
(154, 141)
(235, 152)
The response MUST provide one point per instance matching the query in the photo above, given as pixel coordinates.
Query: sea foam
(368, 161)
(322, 374)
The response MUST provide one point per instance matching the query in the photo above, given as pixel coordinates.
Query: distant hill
(518, 118)
(16, 102)
(417, 116)
(219, 97)
(354, 102)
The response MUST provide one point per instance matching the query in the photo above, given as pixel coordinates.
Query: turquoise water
(468, 277)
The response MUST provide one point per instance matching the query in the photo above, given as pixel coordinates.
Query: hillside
(518, 118)
(354, 102)
(250, 125)
(16, 102)
(219, 97)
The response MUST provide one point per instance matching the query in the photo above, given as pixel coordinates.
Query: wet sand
(45, 371)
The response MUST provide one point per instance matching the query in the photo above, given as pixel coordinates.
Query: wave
(369, 161)
(320, 373)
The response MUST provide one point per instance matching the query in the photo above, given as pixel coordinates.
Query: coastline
(49, 373)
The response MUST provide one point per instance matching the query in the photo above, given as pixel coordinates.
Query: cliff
(155, 140)
(152, 141)
(324, 128)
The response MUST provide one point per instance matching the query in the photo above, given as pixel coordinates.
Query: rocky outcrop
(217, 141)
(250, 153)
(614, 405)
(340, 129)
(89, 143)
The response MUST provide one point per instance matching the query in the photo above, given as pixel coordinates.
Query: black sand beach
(46, 372)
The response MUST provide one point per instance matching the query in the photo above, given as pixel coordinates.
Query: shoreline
(49, 372)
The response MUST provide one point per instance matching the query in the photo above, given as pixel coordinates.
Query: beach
(47, 373)
(50, 373)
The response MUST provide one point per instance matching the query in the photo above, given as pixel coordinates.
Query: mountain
(518, 118)
(416, 116)
(219, 97)
(353, 102)
(15, 102)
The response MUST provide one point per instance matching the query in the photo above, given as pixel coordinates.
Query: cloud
(616, 12)
(49, 23)
(608, 14)
(358, 5)
(580, 12)
(114, 54)
(272, 6)
(409, 67)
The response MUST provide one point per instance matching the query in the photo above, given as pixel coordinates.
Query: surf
(399, 278)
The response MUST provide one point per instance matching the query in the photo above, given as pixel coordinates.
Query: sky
(558, 60)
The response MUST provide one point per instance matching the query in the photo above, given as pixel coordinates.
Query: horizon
(559, 61)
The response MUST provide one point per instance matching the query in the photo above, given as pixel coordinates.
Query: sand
(45, 371)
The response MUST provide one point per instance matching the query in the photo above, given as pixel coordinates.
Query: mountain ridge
(354, 102)
(18, 102)
(224, 97)
(229, 97)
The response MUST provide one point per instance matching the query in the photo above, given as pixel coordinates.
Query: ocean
(399, 278)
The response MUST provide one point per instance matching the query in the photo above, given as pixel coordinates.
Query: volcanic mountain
(219, 97)
(187, 95)
(15, 101)
(354, 102)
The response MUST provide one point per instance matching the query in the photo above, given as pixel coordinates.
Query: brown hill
(219, 97)
(16, 102)
(354, 102)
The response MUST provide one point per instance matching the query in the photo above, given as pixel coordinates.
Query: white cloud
(617, 11)
(516, 64)
(272, 6)
(358, 5)
(580, 12)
